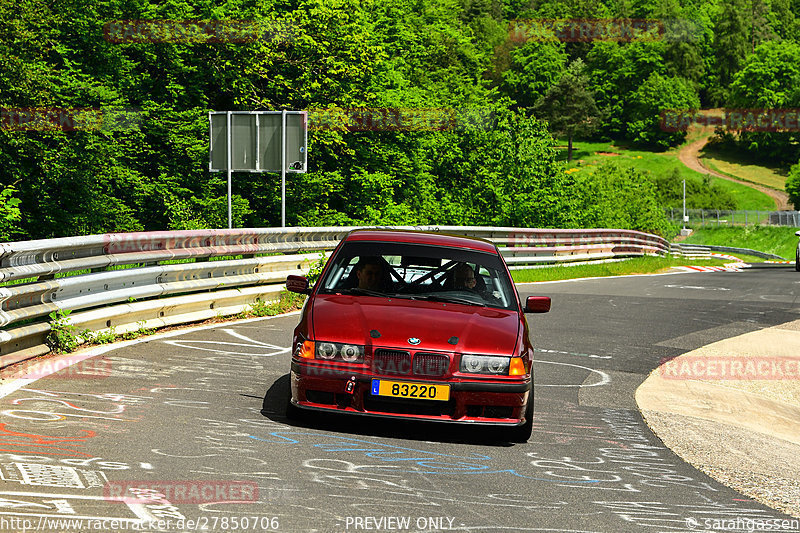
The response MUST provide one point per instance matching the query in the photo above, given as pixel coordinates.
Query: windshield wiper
(448, 299)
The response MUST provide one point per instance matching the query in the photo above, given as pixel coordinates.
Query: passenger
(464, 277)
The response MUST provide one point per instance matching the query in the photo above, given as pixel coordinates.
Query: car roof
(422, 237)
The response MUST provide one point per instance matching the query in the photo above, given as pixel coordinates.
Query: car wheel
(523, 433)
(797, 261)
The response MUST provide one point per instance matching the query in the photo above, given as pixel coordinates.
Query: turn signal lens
(305, 350)
(517, 367)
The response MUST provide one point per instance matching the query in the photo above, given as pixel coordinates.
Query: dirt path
(688, 155)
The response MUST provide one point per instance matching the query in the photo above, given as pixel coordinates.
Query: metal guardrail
(747, 251)
(126, 281)
(697, 251)
(692, 251)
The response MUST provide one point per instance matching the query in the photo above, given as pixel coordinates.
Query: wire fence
(719, 217)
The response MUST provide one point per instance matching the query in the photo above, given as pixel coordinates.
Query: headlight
(326, 350)
(471, 364)
(350, 353)
(485, 364)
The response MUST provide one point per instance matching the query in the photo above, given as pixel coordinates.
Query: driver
(370, 273)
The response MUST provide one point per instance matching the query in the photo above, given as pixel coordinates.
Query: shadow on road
(274, 408)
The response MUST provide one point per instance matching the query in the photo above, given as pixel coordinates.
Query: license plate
(417, 391)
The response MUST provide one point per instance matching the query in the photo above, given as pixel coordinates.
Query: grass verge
(741, 168)
(770, 239)
(636, 265)
(589, 154)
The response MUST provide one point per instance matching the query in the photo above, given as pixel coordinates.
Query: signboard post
(258, 141)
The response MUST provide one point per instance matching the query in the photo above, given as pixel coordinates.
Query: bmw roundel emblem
(414, 341)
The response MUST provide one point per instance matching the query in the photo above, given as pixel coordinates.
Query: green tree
(770, 79)
(655, 96)
(731, 45)
(535, 67)
(568, 106)
(682, 34)
(700, 193)
(616, 71)
(504, 176)
(9, 212)
(614, 196)
(793, 185)
(784, 19)
(760, 30)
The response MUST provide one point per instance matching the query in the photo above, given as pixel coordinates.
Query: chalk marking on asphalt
(23, 381)
(593, 356)
(693, 287)
(238, 335)
(192, 345)
(605, 379)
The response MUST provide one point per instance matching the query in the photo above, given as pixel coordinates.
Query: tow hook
(350, 386)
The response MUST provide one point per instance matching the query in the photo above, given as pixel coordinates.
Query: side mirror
(298, 284)
(537, 304)
(797, 233)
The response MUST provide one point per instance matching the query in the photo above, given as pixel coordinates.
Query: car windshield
(420, 272)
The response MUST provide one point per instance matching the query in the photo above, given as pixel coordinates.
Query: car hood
(350, 319)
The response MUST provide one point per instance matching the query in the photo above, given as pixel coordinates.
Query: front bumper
(477, 401)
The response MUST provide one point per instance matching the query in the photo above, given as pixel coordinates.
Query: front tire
(797, 260)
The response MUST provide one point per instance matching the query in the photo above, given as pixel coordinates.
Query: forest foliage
(142, 161)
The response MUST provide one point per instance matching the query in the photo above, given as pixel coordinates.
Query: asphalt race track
(199, 417)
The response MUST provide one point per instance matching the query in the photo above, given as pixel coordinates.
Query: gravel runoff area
(743, 432)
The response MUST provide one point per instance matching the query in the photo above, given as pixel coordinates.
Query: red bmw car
(415, 325)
